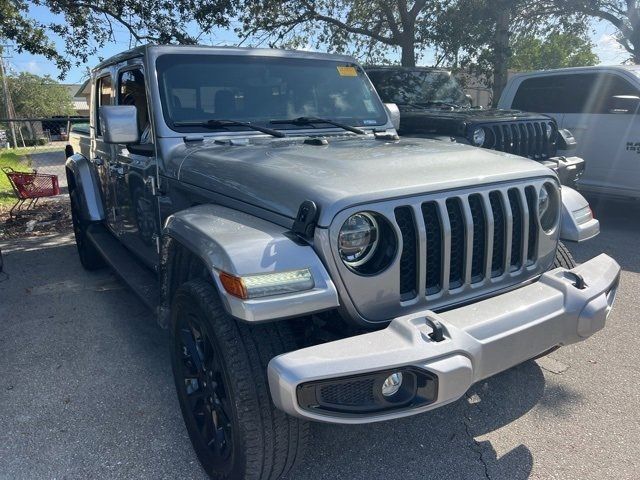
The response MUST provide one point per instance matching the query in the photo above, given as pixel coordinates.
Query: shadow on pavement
(619, 233)
(439, 444)
(93, 344)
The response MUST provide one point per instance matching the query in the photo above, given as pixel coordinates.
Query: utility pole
(8, 104)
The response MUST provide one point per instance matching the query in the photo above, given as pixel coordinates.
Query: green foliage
(624, 15)
(86, 26)
(35, 96)
(557, 50)
(17, 161)
(368, 29)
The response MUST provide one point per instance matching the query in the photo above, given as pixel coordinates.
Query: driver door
(103, 153)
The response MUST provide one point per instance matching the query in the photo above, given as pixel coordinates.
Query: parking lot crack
(474, 445)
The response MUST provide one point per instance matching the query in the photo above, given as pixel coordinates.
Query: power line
(8, 104)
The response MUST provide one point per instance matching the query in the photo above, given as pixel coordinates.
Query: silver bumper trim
(481, 340)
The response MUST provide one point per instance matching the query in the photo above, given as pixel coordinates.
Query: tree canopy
(557, 50)
(35, 96)
(366, 28)
(624, 15)
(86, 26)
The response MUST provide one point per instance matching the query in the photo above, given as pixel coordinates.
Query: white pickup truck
(599, 105)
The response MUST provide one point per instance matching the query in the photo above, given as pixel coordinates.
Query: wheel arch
(207, 239)
(82, 179)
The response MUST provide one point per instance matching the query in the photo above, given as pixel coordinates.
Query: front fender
(240, 244)
(82, 178)
(577, 223)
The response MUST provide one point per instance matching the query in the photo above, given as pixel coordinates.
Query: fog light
(392, 384)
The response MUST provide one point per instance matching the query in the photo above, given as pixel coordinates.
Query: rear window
(573, 93)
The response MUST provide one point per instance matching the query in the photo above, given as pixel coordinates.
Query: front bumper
(480, 340)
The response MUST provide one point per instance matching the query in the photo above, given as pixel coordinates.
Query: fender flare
(574, 226)
(240, 244)
(82, 178)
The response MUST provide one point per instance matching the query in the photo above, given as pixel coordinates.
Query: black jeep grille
(527, 139)
(469, 239)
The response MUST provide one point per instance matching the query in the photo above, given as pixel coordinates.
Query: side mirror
(624, 104)
(469, 99)
(119, 124)
(394, 114)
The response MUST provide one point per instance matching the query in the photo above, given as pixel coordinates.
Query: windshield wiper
(216, 124)
(313, 120)
(440, 103)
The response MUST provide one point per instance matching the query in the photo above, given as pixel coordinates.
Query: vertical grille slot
(538, 146)
(409, 257)
(526, 138)
(530, 193)
(433, 232)
(497, 209)
(479, 237)
(456, 220)
(516, 229)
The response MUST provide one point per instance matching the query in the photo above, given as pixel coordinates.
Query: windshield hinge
(305, 223)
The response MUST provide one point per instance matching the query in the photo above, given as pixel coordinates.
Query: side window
(131, 91)
(540, 94)
(613, 94)
(103, 97)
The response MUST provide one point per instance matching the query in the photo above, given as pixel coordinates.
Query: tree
(368, 28)
(34, 96)
(624, 15)
(85, 26)
(557, 50)
(478, 35)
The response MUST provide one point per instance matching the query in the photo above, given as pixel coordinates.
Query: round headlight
(550, 131)
(548, 206)
(479, 137)
(358, 238)
(543, 201)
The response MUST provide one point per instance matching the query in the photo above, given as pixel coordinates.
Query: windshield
(257, 89)
(417, 87)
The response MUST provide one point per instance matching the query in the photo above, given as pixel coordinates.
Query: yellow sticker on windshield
(347, 71)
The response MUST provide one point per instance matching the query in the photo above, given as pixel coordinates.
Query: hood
(279, 174)
(473, 114)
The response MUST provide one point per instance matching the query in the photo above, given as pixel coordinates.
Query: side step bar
(141, 279)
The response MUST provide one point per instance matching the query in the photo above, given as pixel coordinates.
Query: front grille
(527, 139)
(470, 238)
(354, 393)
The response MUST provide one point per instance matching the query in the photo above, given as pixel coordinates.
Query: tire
(563, 258)
(252, 440)
(90, 258)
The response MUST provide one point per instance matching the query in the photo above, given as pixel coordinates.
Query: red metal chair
(30, 186)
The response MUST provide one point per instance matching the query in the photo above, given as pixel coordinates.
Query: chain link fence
(32, 132)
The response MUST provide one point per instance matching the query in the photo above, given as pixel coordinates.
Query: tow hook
(578, 280)
(437, 333)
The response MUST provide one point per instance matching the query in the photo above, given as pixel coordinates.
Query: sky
(607, 49)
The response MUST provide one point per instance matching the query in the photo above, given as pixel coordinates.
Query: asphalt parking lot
(86, 389)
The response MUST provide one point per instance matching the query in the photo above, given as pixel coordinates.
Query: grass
(17, 159)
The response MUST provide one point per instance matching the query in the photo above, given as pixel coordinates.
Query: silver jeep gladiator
(309, 263)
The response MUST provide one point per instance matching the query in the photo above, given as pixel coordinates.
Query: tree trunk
(501, 53)
(408, 53)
